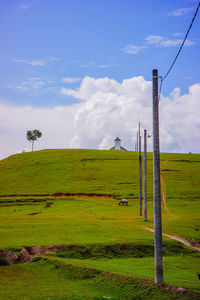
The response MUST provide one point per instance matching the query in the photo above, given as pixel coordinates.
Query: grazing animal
(198, 274)
(123, 202)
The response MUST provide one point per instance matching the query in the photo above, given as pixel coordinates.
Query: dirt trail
(61, 195)
(185, 242)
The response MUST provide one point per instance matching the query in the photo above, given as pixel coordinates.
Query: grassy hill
(97, 171)
(31, 213)
(52, 171)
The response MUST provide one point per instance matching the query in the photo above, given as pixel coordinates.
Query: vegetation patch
(71, 271)
(125, 285)
(96, 251)
(90, 251)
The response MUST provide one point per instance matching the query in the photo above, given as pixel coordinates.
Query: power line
(173, 63)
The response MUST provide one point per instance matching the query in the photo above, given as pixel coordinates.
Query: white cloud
(154, 39)
(181, 12)
(171, 43)
(56, 124)
(158, 41)
(104, 66)
(161, 41)
(177, 34)
(34, 63)
(32, 83)
(28, 5)
(70, 79)
(133, 49)
(88, 65)
(25, 6)
(107, 108)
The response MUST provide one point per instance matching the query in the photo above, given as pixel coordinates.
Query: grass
(56, 280)
(85, 220)
(27, 219)
(68, 171)
(179, 270)
(76, 220)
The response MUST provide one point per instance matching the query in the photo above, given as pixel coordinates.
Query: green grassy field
(52, 281)
(29, 217)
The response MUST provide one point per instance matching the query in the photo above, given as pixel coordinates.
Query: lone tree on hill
(33, 135)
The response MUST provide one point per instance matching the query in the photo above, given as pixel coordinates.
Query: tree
(33, 135)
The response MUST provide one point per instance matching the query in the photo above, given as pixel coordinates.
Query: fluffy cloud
(56, 124)
(38, 62)
(156, 41)
(70, 79)
(133, 49)
(31, 83)
(28, 5)
(107, 108)
(161, 41)
(181, 12)
(34, 63)
(104, 66)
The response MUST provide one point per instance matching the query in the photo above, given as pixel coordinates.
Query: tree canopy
(33, 135)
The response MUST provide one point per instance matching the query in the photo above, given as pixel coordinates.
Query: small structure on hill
(117, 145)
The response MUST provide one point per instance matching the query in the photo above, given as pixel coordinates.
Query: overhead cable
(163, 78)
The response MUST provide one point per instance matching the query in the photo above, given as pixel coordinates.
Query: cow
(123, 202)
(198, 274)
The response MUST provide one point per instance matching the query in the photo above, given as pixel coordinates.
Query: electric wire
(163, 78)
(179, 51)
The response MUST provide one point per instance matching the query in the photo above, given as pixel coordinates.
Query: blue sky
(45, 41)
(80, 71)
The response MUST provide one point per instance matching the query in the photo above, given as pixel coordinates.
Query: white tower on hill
(118, 145)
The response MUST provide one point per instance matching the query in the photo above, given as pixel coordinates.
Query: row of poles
(156, 180)
(138, 149)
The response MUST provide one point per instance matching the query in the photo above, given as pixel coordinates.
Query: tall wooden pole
(140, 172)
(156, 184)
(145, 175)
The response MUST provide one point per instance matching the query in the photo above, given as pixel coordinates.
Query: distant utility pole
(156, 185)
(145, 175)
(140, 172)
(137, 142)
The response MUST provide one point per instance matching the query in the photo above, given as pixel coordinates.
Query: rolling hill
(70, 198)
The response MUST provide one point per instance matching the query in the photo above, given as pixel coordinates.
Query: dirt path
(185, 242)
(71, 195)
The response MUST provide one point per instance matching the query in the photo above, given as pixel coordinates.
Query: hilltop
(95, 171)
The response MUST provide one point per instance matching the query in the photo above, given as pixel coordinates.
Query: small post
(156, 185)
(145, 175)
(140, 172)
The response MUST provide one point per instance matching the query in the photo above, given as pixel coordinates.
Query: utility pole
(137, 141)
(140, 172)
(145, 175)
(156, 185)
